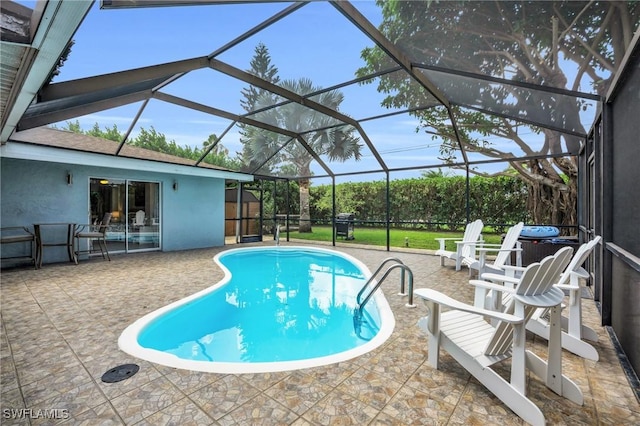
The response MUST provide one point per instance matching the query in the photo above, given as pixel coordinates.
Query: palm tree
(276, 153)
(325, 135)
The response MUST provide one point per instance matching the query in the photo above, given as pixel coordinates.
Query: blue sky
(315, 42)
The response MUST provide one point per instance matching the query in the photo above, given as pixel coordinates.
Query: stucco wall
(193, 214)
(37, 192)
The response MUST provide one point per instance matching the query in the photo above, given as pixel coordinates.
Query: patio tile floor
(60, 325)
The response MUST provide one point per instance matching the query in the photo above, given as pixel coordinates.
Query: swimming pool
(276, 309)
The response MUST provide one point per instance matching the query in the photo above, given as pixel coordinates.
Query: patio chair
(465, 247)
(573, 330)
(510, 244)
(570, 281)
(20, 235)
(477, 344)
(139, 219)
(92, 233)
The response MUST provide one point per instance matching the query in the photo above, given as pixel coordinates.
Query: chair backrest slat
(581, 255)
(502, 338)
(471, 233)
(549, 276)
(536, 280)
(104, 223)
(509, 241)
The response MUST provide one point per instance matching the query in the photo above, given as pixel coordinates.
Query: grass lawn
(378, 237)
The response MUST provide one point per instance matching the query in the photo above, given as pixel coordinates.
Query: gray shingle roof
(64, 139)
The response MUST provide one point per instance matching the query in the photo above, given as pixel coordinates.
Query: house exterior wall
(37, 192)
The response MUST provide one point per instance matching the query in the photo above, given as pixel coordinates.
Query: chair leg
(100, 247)
(571, 343)
(34, 253)
(568, 388)
(104, 244)
(76, 249)
(511, 395)
(430, 324)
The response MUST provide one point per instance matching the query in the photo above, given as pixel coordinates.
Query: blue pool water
(277, 308)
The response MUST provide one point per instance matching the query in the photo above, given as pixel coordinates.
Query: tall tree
(253, 139)
(112, 134)
(61, 60)
(337, 143)
(155, 141)
(519, 40)
(218, 155)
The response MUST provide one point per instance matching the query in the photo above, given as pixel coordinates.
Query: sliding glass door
(143, 214)
(134, 208)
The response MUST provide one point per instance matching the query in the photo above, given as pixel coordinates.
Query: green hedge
(427, 203)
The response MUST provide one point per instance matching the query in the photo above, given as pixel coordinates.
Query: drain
(120, 373)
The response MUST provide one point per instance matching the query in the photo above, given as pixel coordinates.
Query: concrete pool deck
(60, 326)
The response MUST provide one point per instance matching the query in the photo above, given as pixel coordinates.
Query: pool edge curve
(128, 339)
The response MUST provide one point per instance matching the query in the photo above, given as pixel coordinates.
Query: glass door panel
(109, 195)
(143, 215)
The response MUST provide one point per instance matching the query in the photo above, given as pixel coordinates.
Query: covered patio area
(60, 327)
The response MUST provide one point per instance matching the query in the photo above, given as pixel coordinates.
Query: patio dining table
(41, 243)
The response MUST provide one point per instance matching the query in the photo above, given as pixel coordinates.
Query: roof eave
(33, 152)
(59, 22)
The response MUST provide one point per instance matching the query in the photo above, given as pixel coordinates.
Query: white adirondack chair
(465, 247)
(573, 331)
(478, 344)
(510, 244)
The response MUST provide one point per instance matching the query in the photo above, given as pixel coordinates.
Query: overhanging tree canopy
(474, 73)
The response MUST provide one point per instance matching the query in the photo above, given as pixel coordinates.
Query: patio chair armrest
(501, 278)
(16, 234)
(84, 227)
(16, 228)
(568, 287)
(492, 286)
(491, 249)
(444, 300)
(581, 273)
(461, 243)
(443, 241)
(514, 268)
(574, 283)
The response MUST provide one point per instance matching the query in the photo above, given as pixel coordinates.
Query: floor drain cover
(119, 373)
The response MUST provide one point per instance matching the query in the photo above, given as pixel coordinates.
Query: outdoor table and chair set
(19, 243)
